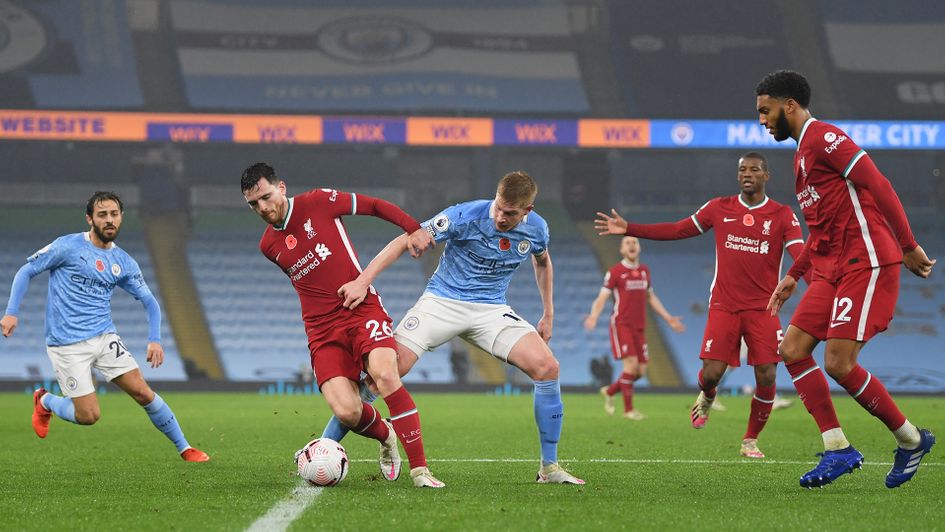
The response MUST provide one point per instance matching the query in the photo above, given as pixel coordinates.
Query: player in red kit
(630, 284)
(859, 235)
(307, 240)
(751, 233)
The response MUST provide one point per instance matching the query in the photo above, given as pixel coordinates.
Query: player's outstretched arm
(918, 262)
(596, 308)
(781, 293)
(417, 240)
(675, 322)
(544, 277)
(21, 282)
(610, 225)
(354, 292)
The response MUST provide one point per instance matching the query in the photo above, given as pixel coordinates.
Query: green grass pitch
(657, 474)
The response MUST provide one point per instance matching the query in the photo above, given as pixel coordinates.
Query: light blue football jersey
(478, 261)
(82, 279)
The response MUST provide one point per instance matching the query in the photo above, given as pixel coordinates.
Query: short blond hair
(517, 188)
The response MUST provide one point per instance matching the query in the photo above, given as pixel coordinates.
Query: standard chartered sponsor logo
(746, 244)
(808, 197)
(307, 263)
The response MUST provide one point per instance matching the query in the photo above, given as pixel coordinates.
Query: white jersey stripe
(354, 203)
(867, 301)
(864, 228)
(792, 242)
(344, 238)
(859, 155)
(699, 227)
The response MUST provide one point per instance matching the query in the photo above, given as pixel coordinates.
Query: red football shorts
(724, 332)
(627, 341)
(857, 306)
(338, 345)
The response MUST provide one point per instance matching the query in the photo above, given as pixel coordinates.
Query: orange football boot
(194, 455)
(40, 414)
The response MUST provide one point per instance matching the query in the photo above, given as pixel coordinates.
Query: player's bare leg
(761, 405)
(840, 359)
(532, 355)
(383, 368)
(160, 413)
(709, 377)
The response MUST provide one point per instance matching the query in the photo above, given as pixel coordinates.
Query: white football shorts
(435, 320)
(73, 363)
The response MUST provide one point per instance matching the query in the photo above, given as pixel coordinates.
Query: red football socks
(406, 420)
(812, 388)
(872, 395)
(761, 405)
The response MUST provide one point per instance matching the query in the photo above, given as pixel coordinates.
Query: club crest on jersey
(748, 220)
(803, 168)
(308, 229)
(524, 246)
(441, 223)
(99, 265)
(708, 345)
(116, 270)
(291, 242)
(766, 227)
(505, 244)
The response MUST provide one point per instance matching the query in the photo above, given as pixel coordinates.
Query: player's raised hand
(590, 322)
(610, 225)
(918, 262)
(353, 293)
(155, 354)
(8, 324)
(781, 293)
(418, 241)
(675, 323)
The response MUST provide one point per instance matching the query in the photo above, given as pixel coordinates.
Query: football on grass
(323, 462)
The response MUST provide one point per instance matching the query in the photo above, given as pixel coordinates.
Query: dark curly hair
(785, 84)
(101, 196)
(254, 173)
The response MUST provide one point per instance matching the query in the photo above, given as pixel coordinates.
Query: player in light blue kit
(486, 241)
(84, 269)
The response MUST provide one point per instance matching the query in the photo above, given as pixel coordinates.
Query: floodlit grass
(653, 474)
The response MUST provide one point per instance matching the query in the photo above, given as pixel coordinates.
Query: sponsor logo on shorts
(116, 270)
(411, 323)
(71, 383)
(524, 246)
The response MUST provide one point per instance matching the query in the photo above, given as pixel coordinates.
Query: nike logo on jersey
(838, 323)
(278, 255)
(729, 219)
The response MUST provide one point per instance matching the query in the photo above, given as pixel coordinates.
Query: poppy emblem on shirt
(505, 244)
(99, 265)
(748, 220)
(291, 242)
(116, 270)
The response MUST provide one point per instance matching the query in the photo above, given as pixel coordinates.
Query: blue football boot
(906, 462)
(832, 465)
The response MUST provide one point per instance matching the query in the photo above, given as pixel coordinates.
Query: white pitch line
(745, 461)
(280, 516)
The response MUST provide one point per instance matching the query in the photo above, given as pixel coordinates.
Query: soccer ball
(322, 462)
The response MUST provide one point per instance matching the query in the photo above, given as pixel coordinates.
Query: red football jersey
(314, 250)
(847, 229)
(631, 289)
(749, 249)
